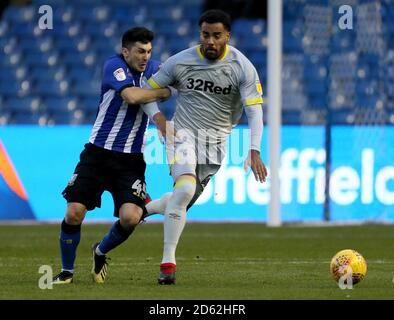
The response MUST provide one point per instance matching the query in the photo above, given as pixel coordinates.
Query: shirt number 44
(139, 189)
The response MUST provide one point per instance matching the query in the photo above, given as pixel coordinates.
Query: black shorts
(99, 170)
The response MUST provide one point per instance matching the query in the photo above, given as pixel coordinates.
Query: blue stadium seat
(177, 44)
(86, 3)
(5, 117)
(342, 116)
(63, 30)
(292, 116)
(76, 74)
(316, 68)
(259, 59)
(10, 88)
(65, 44)
(27, 104)
(26, 30)
(248, 27)
(78, 60)
(104, 53)
(169, 28)
(13, 73)
(8, 42)
(61, 104)
(41, 76)
(95, 28)
(52, 3)
(10, 60)
(70, 118)
(29, 118)
(19, 15)
(36, 45)
(51, 88)
(5, 28)
(124, 3)
(292, 9)
(41, 59)
(130, 14)
(192, 12)
(161, 3)
(84, 90)
(15, 88)
(90, 104)
(367, 101)
(102, 44)
(38, 73)
(315, 87)
(90, 117)
(166, 13)
(95, 13)
(253, 43)
(67, 60)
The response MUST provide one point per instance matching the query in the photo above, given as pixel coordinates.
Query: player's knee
(130, 215)
(75, 213)
(130, 222)
(185, 188)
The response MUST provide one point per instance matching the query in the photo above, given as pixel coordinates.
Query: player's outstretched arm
(135, 95)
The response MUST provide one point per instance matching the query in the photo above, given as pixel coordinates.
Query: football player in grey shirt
(215, 82)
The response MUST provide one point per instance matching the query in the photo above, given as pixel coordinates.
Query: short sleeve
(116, 75)
(250, 86)
(165, 76)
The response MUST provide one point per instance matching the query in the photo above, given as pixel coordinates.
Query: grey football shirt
(210, 93)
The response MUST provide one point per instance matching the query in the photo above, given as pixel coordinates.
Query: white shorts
(193, 158)
(190, 153)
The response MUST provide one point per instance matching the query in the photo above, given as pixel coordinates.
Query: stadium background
(338, 102)
(337, 88)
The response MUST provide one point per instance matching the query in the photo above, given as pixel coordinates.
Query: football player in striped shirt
(113, 159)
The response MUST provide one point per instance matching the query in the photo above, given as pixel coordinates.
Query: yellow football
(347, 264)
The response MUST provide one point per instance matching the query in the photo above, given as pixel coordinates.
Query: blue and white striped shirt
(119, 126)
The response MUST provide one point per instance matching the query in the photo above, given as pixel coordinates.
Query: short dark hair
(133, 35)
(216, 16)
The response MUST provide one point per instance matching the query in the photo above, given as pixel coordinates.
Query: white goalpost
(274, 83)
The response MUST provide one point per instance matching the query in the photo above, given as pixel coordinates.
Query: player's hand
(258, 167)
(168, 136)
(161, 123)
(161, 138)
(168, 139)
(170, 132)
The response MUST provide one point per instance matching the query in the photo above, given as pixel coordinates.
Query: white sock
(175, 215)
(159, 205)
(98, 251)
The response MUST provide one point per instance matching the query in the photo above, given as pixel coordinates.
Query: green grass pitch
(215, 261)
